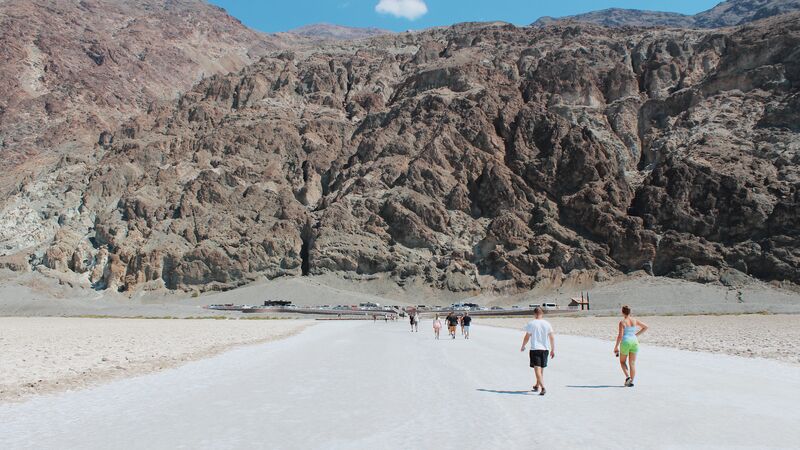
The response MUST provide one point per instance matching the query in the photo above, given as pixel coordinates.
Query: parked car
(549, 306)
(497, 308)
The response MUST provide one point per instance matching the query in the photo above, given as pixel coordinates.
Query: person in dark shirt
(452, 323)
(465, 321)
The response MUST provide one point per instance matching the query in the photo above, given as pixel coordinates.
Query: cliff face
(466, 158)
(71, 69)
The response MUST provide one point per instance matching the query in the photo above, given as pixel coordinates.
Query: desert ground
(377, 385)
(42, 355)
(76, 356)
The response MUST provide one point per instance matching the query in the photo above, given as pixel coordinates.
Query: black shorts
(539, 358)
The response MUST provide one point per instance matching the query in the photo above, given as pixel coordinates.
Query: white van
(549, 306)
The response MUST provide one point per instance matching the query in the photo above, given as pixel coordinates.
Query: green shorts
(629, 346)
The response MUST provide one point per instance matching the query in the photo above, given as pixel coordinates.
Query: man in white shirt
(540, 334)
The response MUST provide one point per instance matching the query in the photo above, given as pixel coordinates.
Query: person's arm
(525, 341)
(552, 337)
(619, 339)
(642, 327)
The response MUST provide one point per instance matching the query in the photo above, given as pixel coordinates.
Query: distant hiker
(627, 336)
(452, 322)
(465, 321)
(461, 323)
(374, 318)
(411, 320)
(437, 326)
(416, 322)
(540, 334)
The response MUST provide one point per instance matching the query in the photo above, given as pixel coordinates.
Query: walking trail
(377, 385)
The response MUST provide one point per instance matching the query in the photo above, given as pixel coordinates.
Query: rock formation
(473, 157)
(74, 68)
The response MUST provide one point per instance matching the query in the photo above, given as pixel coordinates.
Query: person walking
(461, 323)
(437, 326)
(627, 345)
(411, 315)
(452, 322)
(542, 339)
(465, 321)
(416, 322)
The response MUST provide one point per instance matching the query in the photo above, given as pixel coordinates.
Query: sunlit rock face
(475, 157)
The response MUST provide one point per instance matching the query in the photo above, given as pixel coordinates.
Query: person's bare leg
(632, 365)
(623, 362)
(539, 377)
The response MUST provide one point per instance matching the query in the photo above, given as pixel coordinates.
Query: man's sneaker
(535, 389)
(543, 391)
(628, 381)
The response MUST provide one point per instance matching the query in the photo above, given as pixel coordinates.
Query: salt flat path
(376, 385)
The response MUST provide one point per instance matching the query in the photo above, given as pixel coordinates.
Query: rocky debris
(725, 14)
(474, 157)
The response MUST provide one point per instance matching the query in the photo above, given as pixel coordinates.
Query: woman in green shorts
(627, 345)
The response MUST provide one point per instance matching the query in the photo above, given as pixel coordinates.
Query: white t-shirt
(539, 329)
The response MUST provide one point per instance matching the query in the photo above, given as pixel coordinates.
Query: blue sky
(281, 15)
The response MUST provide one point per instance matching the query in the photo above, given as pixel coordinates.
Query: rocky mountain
(725, 14)
(474, 157)
(739, 12)
(71, 69)
(326, 31)
(619, 17)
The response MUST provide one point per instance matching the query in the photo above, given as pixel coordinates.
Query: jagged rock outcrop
(474, 157)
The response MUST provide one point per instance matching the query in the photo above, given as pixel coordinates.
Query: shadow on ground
(493, 391)
(599, 386)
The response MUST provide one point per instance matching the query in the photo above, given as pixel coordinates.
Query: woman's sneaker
(628, 382)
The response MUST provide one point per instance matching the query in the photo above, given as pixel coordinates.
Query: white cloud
(407, 9)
